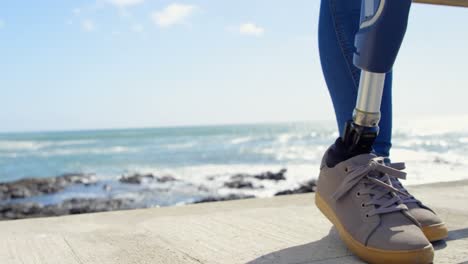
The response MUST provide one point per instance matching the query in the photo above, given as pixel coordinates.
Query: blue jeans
(338, 24)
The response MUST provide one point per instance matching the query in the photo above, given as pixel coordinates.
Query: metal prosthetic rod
(382, 28)
(361, 132)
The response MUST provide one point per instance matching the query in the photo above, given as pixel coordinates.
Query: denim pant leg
(338, 24)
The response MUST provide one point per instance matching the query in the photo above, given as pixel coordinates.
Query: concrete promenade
(286, 229)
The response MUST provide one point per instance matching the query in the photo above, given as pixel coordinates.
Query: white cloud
(251, 29)
(172, 14)
(76, 11)
(125, 3)
(88, 25)
(138, 28)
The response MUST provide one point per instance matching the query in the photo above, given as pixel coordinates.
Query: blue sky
(144, 63)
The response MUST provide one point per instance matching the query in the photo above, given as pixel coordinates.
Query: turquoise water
(111, 152)
(208, 156)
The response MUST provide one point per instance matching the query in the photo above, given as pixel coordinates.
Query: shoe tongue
(360, 160)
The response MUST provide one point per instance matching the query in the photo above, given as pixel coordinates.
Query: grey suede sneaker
(356, 195)
(432, 226)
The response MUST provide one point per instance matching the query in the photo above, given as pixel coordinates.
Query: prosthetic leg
(382, 28)
(362, 195)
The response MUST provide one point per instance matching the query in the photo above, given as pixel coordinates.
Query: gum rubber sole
(435, 232)
(374, 255)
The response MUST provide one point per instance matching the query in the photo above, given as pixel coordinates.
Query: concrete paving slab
(287, 229)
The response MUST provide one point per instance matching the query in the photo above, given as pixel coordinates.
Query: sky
(92, 64)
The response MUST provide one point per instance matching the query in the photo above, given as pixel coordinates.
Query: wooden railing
(462, 3)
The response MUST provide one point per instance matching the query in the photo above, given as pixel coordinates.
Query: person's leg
(344, 194)
(338, 24)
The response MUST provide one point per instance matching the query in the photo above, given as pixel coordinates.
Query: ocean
(204, 158)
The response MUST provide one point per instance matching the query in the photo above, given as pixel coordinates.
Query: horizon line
(162, 126)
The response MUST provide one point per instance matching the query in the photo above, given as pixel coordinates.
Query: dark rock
(439, 160)
(241, 176)
(136, 178)
(203, 188)
(39, 186)
(79, 178)
(17, 211)
(166, 178)
(17, 192)
(239, 184)
(3, 189)
(306, 187)
(67, 207)
(224, 198)
(279, 176)
(87, 205)
(239, 181)
(107, 187)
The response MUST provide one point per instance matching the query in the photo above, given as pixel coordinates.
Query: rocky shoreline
(19, 199)
(39, 186)
(67, 207)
